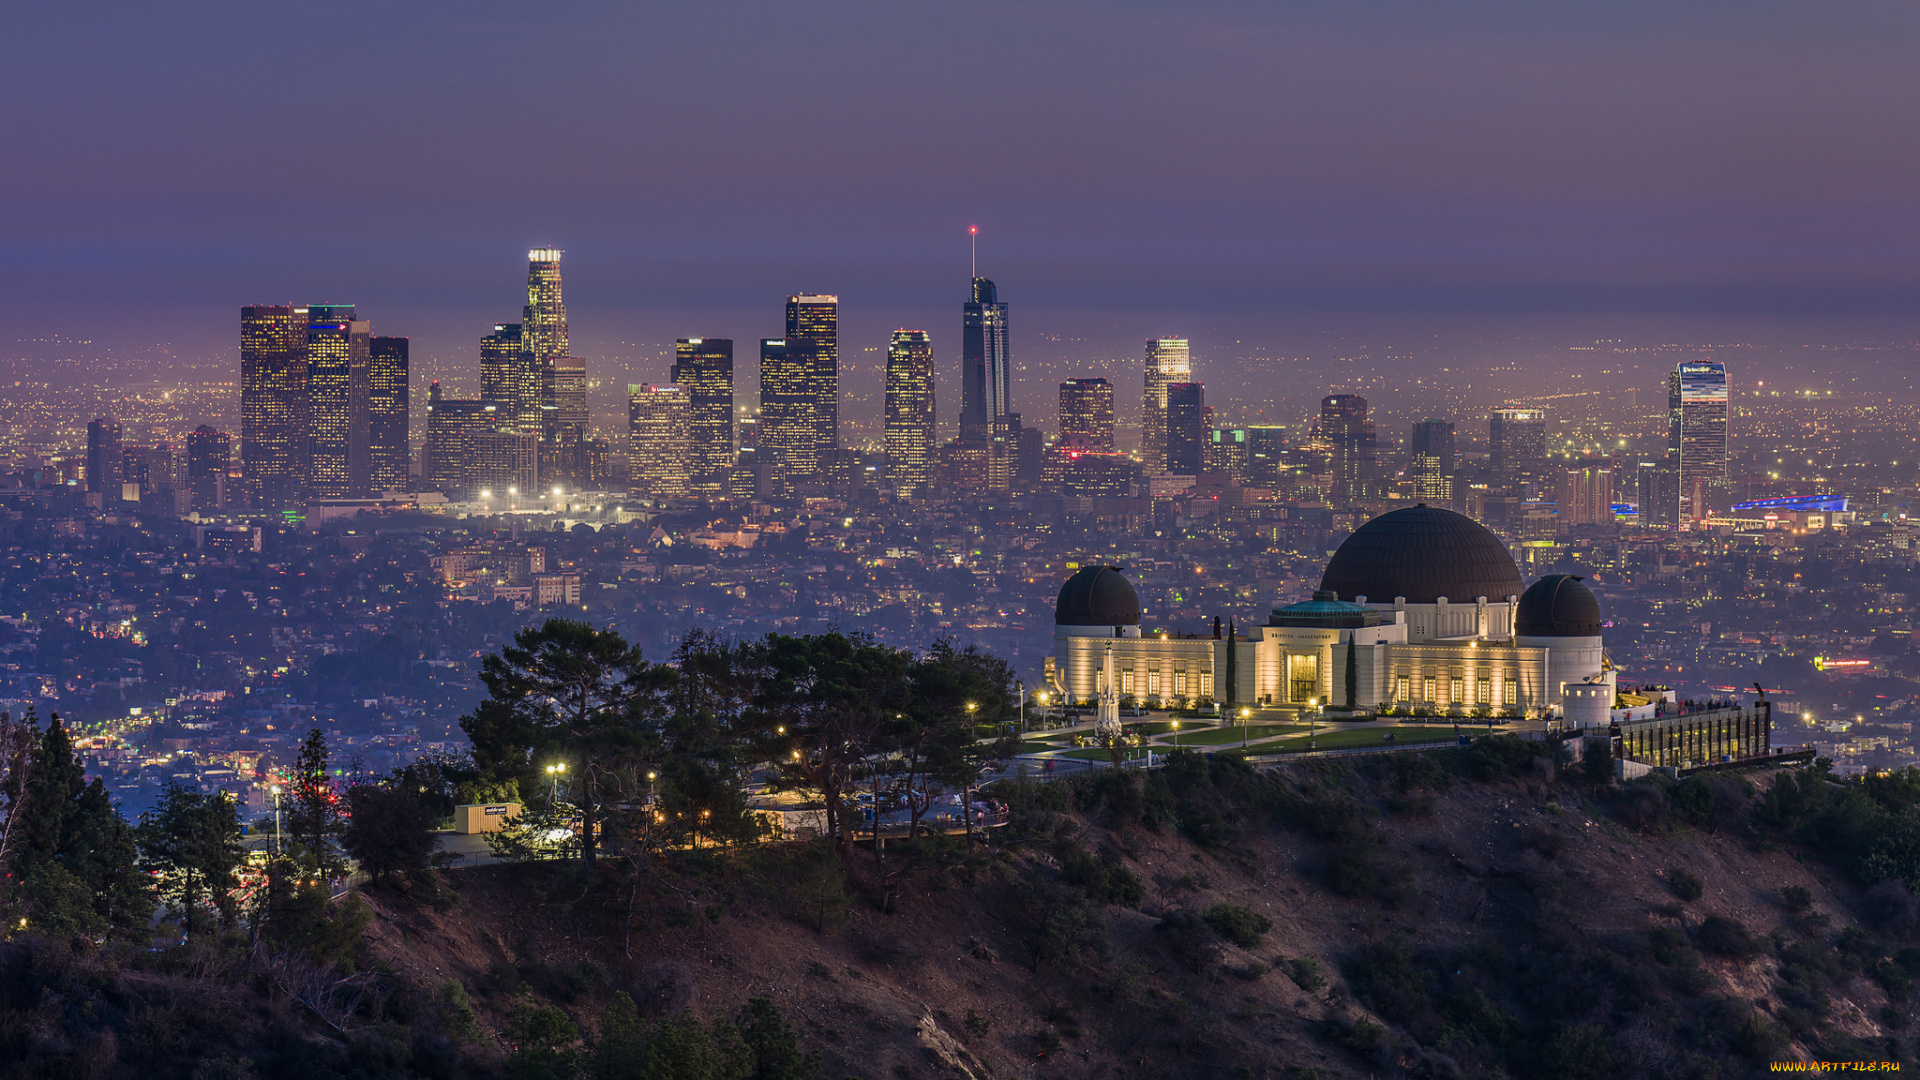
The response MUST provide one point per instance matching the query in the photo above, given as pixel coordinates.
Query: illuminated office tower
(153, 470)
(1227, 453)
(813, 344)
(910, 413)
(563, 428)
(1187, 428)
(103, 456)
(1267, 452)
(273, 405)
(1517, 444)
(452, 425)
(543, 326)
(337, 345)
(1086, 414)
(787, 429)
(1583, 496)
(1168, 362)
(386, 416)
(1431, 468)
(504, 372)
(986, 392)
(1348, 432)
(209, 457)
(502, 464)
(660, 453)
(703, 367)
(1697, 436)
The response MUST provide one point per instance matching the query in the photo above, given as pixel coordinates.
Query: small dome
(1557, 605)
(1326, 612)
(1422, 553)
(1097, 596)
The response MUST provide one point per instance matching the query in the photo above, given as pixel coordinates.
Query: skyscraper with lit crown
(1697, 400)
(1168, 362)
(911, 418)
(813, 341)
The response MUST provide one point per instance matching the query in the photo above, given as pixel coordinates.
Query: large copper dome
(1422, 553)
(1097, 596)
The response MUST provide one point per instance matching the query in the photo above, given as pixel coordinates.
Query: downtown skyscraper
(1086, 414)
(799, 429)
(986, 389)
(703, 367)
(508, 380)
(273, 405)
(1187, 428)
(1168, 362)
(1697, 447)
(911, 418)
(1430, 453)
(1348, 433)
(337, 354)
(660, 451)
(387, 415)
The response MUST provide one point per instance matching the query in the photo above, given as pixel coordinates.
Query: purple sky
(169, 162)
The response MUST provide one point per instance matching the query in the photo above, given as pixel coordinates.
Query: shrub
(1642, 806)
(1796, 898)
(1305, 973)
(1104, 879)
(1500, 757)
(1724, 936)
(1580, 1052)
(1242, 926)
(1685, 884)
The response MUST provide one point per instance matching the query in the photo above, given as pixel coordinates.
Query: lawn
(1232, 736)
(1352, 737)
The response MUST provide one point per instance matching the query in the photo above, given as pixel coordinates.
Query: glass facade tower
(911, 417)
(703, 367)
(1168, 362)
(273, 405)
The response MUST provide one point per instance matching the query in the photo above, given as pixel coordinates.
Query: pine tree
(192, 840)
(315, 818)
(76, 857)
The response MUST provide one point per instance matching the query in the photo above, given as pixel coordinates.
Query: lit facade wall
(787, 432)
(1168, 361)
(387, 416)
(813, 347)
(337, 353)
(703, 367)
(911, 415)
(660, 450)
(1086, 414)
(273, 405)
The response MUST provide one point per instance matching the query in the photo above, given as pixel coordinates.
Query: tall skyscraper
(1517, 444)
(986, 392)
(504, 372)
(273, 405)
(543, 322)
(502, 464)
(1431, 465)
(1348, 431)
(660, 455)
(813, 342)
(1187, 428)
(452, 426)
(1168, 362)
(703, 367)
(911, 418)
(387, 456)
(1583, 496)
(337, 356)
(209, 457)
(103, 456)
(1697, 400)
(786, 428)
(1086, 414)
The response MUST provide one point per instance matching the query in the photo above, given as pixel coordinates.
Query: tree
(315, 817)
(563, 692)
(17, 740)
(390, 831)
(774, 1044)
(953, 693)
(192, 841)
(820, 710)
(73, 852)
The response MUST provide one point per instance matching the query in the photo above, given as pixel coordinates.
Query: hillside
(1437, 914)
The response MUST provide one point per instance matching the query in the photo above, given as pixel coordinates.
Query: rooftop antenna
(973, 233)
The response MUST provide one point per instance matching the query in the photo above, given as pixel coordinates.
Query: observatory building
(1419, 608)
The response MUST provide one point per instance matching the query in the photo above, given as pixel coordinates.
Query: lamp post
(278, 842)
(1176, 734)
(1245, 723)
(554, 771)
(1313, 718)
(1020, 685)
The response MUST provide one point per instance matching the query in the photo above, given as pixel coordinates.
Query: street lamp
(1313, 718)
(1176, 734)
(651, 775)
(555, 770)
(278, 843)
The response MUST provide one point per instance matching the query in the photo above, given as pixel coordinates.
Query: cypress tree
(77, 859)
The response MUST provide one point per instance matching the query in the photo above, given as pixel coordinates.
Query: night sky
(1167, 163)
